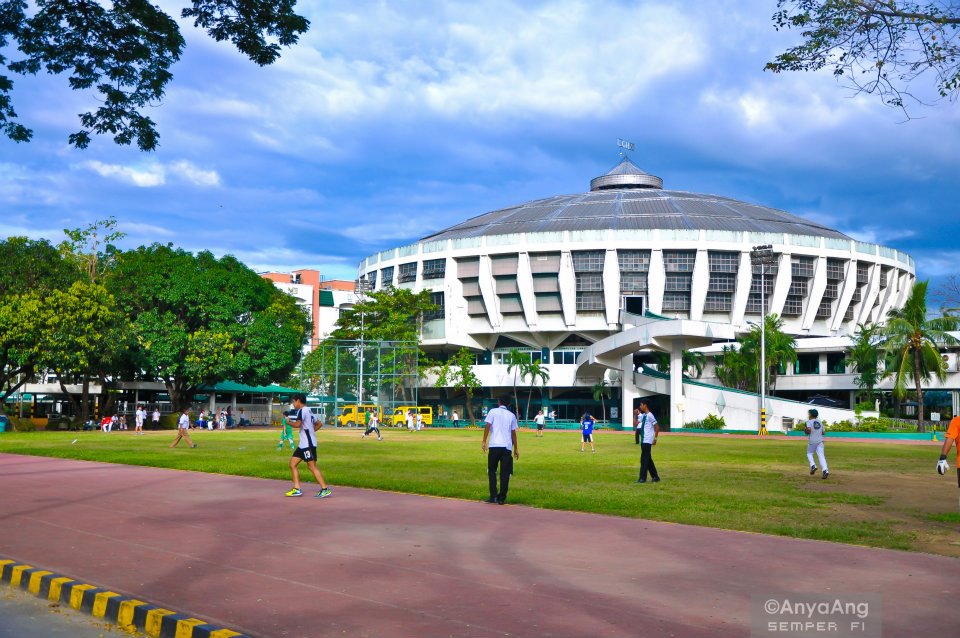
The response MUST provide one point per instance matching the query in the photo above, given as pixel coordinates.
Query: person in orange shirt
(953, 433)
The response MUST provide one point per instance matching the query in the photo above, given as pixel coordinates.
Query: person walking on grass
(649, 431)
(636, 426)
(455, 418)
(586, 425)
(140, 417)
(286, 430)
(411, 421)
(155, 418)
(814, 432)
(949, 439)
(306, 449)
(373, 425)
(501, 431)
(541, 421)
(183, 427)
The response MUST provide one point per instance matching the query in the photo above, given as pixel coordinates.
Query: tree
(91, 249)
(536, 371)
(600, 391)
(691, 361)
(516, 363)
(865, 355)
(913, 342)
(124, 50)
(29, 270)
(457, 372)
(199, 320)
(391, 315)
(739, 367)
(949, 295)
(877, 46)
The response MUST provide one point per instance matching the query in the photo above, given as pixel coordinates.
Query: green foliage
(738, 367)
(865, 356)
(457, 372)
(864, 406)
(124, 50)
(537, 373)
(600, 391)
(912, 344)
(516, 364)
(199, 320)
(693, 362)
(92, 248)
(710, 422)
(878, 47)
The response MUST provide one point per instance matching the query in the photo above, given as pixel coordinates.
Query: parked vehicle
(399, 417)
(351, 415)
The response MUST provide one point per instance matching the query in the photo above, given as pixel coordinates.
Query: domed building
(553, 276)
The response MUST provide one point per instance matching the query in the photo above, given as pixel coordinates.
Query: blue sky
(392, 120)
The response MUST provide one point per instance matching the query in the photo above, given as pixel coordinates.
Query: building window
(590, 301)
(434, 268)
(836, 363)
(801, 266)
(857, 297)
(407, 272)
(825, 311)
(831, 291)
(588, 260)
(722, 282)
(633, 282)
(589, 282)
(566, 357)
(848, 316)
(834, 269)
(807, 364)
(372, 278)
(767, 285)
(798, 288)
(793, 306)
(436, 298)
(386, 277)
(724, 262)
(678, 283)
(718, 302)
(679, 260)
(633, 260)
(676, 301)
(863, 273)
(754, 304)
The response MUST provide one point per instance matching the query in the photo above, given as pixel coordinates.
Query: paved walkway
(233, 551)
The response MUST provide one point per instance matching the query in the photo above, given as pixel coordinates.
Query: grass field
(883, 495)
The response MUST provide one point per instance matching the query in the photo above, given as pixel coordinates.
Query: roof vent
(626, 174)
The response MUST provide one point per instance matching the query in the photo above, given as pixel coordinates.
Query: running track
(233, 551)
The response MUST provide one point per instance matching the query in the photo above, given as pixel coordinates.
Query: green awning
(326, 298)
(232, 387)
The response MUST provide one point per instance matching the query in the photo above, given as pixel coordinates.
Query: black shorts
(539, 426)
(587, 438)
(306, 454)
(958, 477)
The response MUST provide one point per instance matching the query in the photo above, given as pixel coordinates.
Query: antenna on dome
(626, 146)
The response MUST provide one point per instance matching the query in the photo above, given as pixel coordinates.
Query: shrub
(694, 424)
(23, 424)
(844, 426)
(713, 422)
(169, 421)
(864, 406)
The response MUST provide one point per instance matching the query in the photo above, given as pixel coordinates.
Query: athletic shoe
(593, 451)
(294, 492)
(641, 480)
(656, 479)
(491, 500)
(379, 438)
(813, 470)
(826, 474)
(324, 493)
(194, 445)
(501, 501)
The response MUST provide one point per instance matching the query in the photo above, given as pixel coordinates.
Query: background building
(558, 277)
(321, 298)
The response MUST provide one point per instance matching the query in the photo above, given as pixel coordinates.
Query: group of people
(119, 421)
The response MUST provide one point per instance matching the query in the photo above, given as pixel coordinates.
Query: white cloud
(140, 229)
(194, 174)
(937, 264)
(154, 174)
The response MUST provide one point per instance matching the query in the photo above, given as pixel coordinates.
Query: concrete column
(628, 392)
(676, 383)
(213, 401)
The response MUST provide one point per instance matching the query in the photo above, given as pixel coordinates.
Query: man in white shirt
(411, 421)
(306, 449)
(183, 425)
(501, 430)
(541, 421)
(649, 431)
(156, 418)
(373, 425)
(455, 418)
(140, 416)
(419, 421)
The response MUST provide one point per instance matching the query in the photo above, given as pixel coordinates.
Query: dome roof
(627, 198)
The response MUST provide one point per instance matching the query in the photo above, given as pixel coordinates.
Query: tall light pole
(363, 286)
(762, 256)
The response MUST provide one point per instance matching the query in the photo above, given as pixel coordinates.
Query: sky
(390, 121)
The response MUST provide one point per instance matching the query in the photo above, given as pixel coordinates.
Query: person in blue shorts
(586, 426)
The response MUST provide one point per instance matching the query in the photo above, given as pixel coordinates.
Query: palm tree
(864, 356)
(515, 363)
(536, 371)
(912, 342)
(781, 349)
(694, 361)
(601, 390)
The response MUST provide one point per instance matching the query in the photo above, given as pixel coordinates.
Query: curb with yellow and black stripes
(127, 613)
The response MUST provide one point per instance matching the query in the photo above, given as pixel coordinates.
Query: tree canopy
(123, 51)
(877, 46)
(199, 320)
(740, 367)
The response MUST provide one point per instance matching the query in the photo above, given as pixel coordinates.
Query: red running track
(234, 551)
